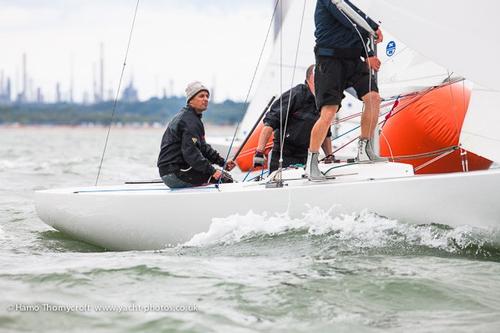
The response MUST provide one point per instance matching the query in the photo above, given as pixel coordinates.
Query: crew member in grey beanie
(193, 88)
(185, 158)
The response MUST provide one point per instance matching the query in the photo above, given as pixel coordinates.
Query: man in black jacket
(302, 115)
(340, 47)
(185, 158)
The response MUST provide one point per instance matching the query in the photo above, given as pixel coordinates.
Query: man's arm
(192, 153)
(211, 154)
(274, 116)
(265, 134)
(367, 18)
(337, 14)
(341, 17)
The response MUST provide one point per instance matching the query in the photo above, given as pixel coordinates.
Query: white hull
(141, 217)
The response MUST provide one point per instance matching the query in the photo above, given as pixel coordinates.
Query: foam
(365, 229)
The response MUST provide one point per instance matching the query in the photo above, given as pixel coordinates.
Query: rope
(117, 93)
(433, 160)
(424, 155)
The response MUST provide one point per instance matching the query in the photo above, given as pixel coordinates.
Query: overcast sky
(215, 41)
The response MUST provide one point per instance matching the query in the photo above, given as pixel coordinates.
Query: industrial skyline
(174, 42)
(28, 91)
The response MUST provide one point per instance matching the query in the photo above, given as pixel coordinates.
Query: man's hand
(380, 37)
(258, 159)
(373, 63)
(230, 165)
(217, 174)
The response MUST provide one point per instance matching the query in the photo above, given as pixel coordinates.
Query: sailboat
(152, 216)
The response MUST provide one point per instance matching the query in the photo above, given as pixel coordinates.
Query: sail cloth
(425, 43)
(480, 131)
(461, 36)
(403, 71)
(273, 79)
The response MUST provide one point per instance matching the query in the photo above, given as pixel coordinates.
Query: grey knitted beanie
(193, 88)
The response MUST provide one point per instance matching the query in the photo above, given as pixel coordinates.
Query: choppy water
(252, 273)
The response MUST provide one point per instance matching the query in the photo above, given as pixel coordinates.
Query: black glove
(258, 159)
(329, 159)
(226, 177)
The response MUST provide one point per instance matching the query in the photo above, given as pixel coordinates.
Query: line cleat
(366, 154)
(312, 169)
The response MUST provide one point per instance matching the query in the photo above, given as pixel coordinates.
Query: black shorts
(334, 75)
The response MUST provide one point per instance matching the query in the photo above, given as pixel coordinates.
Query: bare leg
(318, 135)
(369, 119)
(320, 129)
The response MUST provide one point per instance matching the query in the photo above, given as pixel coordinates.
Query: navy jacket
(335, 31)
(183, 145)
(303, 116)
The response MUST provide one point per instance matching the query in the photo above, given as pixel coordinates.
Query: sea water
(248, 273)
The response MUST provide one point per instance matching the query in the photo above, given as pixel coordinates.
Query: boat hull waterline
(151, 216)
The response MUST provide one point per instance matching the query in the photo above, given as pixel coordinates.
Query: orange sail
(245, 157)
(428, 122)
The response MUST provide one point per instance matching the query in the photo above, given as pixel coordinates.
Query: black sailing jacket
(183, 145)
(302, 117)
(335, 31)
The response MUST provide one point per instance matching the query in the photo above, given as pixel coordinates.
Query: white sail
(480, 132)
(462, 37)
(275, 81)
(403, 69)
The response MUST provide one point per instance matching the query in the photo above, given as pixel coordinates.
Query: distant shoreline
(152, 113)
(15, 126)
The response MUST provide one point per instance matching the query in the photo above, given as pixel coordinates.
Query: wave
(365, 231)
(23, 163)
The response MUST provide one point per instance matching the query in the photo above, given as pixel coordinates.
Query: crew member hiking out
(343, 59)
(302, 115)
(185, 158)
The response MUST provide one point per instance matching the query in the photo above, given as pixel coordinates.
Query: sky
(174, 42)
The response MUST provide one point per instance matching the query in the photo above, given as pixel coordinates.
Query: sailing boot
(312, 170)
(366, 154)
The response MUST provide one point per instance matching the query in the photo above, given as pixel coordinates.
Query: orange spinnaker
(245, 158)
(428, 122)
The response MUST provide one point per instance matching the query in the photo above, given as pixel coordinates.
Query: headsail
(462, 37)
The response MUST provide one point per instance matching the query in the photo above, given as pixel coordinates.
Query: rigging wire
(367, 56)
(117, 93)
(283, 132)
(463, 152)
(280, 161)
(252, 81)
